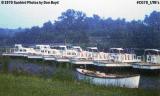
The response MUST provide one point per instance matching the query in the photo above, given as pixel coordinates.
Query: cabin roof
(152, 50)
(59, 46)
(62, 46)
(41, 45)
(17, 44)
(76, 46)
(116, 49)
(92, 48)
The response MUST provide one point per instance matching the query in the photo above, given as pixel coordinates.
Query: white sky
(14, 16)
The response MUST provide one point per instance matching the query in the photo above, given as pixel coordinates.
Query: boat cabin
(19, 49)
(60, 47)
(116, 50)
(92, 49)
(152, 56)
(65, 51)
(41, 49)
(77, 48)
(123, 55)
(42, 46)
(18, 46)
(95, 54)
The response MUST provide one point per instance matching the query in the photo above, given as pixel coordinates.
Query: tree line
(75, 27)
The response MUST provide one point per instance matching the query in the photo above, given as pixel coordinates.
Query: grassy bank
(61, 83)
(11, 85)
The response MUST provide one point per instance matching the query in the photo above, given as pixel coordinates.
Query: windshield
(58, 48)
(152, 52)
(116, 51)
(92, 50)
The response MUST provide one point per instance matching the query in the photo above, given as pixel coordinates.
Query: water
(149, 82)
(31, 68)
(48, 69)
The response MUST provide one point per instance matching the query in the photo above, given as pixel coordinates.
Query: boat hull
(62, 60)
(129, 82)
(111, 64)
(81, 62)
(146, 66)
(49, 58)
(14, 55)
(35, 57)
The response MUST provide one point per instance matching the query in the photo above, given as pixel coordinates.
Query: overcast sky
(14, 16)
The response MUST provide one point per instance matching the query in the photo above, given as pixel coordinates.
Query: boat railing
(10, 50)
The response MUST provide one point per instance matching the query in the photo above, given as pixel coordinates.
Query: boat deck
(146, 66)
(81, 61)
(111, 64)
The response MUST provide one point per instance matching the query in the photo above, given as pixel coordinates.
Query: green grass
(62, 83)
(11, 85)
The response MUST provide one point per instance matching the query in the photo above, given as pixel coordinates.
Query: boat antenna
(65, 35)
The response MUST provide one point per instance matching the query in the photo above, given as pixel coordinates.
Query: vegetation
(12, 85)
(76, 28)
(61, 83)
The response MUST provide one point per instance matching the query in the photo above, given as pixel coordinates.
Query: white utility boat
(51, 54)
(39, 52)
(88, 56)
(18, 50)
(119, 57)
(151, 60)
(129, 81)
(65, 53)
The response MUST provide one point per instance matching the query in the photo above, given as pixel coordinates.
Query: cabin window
(151, 52)
(149, 59)
(37, 47)
(59, 48)
(69, 47)
(77, 49)
(16, 50)
(62, 48)
(116, 51)
(20, 50)
(92, 50)
(42, 51)
(16, 47)
(73, 53)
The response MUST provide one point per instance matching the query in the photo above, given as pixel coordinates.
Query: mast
(65, 35)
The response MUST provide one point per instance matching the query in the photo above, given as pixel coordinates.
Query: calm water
(40, 67)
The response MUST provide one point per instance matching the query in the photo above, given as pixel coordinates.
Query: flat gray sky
(14, 16)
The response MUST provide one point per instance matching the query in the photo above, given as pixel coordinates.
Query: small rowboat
(129, 81)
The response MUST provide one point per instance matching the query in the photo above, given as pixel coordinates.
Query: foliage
(76, 28)
(63, 74)
(12, 85)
